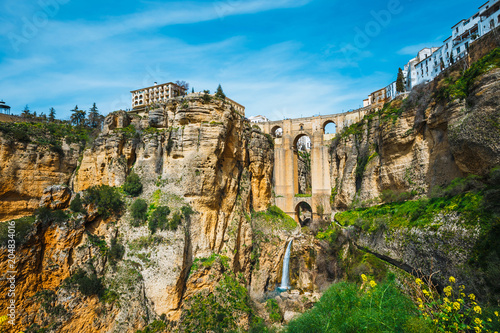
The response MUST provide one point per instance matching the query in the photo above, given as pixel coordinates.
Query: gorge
(182, 219)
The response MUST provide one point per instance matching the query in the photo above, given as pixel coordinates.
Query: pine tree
(78, 117)
(400, 82)
(95, 119)
(52, 115)
(220, 93)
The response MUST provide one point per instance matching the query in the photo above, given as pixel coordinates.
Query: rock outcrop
(430, 143)
(27, 169)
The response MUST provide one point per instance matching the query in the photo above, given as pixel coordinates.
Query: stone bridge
(286, 134)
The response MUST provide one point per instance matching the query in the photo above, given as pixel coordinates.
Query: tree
(183, 84)
(26, 112)
(400, 82)
(78, 117)
(219, 93)
(133, 185)
(95, 119)
(52, 115)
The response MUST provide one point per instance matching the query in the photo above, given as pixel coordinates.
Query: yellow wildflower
(418, 281)
(472, 296)
(448, 290)
(452, 279)
(456, 306)
(496, 313)
(363, 277)
(435, 321)
(448, 309)
(426, 293)
(477, 329)
(478, 321)
(477, 309)
(489, 320)
(446, 300)
(373, 284)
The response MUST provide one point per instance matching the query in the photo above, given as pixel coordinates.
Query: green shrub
(174, 222)
(159, 219)
(133, 185)
(47, 215)
(116, 251)
(87, 284)
(77, 205)
(218, 311)
(155, 327)
(22, 227)
(107, 200)
(187, 211)
(139, 212)
(274, 311)
(277, 217)
(345, 307)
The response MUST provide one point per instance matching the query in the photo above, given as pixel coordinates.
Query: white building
(157, 93)
(489, 16)
(258, 119)
(430, 62)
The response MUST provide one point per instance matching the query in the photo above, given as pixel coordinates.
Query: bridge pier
(286, 162)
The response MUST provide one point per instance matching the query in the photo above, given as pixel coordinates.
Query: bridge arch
(329, 127)
(299, 136)
(303, 213)
(277, 131)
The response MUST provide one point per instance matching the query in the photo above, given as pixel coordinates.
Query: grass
(276, 218)
(418, 213)
(349, 307)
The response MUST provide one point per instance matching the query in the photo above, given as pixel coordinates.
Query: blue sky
(279, 58)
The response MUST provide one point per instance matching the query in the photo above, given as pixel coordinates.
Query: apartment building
(156, 93)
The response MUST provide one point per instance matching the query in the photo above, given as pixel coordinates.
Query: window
(458, 50)
(456, 30)
(492, 24)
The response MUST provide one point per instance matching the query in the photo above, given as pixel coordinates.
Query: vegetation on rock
(133, 185)
(107, 199)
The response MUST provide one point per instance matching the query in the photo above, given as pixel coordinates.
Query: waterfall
(284, 276)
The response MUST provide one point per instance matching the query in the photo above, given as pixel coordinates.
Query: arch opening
(303, 214)
(329, 127)
(302, 163)
(276, 132)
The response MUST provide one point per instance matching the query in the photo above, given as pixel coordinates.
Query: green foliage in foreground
(107, 199)
(155, 327)
(277, 218)
(345, 307)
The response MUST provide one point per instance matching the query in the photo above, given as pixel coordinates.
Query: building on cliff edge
(431, 61)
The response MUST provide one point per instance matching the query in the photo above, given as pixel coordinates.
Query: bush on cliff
(22, 227)
(77, 205)
(218, 311)
(133, 185)
(159, 219)
(139, 212)
(107, 200)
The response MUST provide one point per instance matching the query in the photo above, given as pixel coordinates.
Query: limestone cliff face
(429, 144)
(188, 153)
(26, 169)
